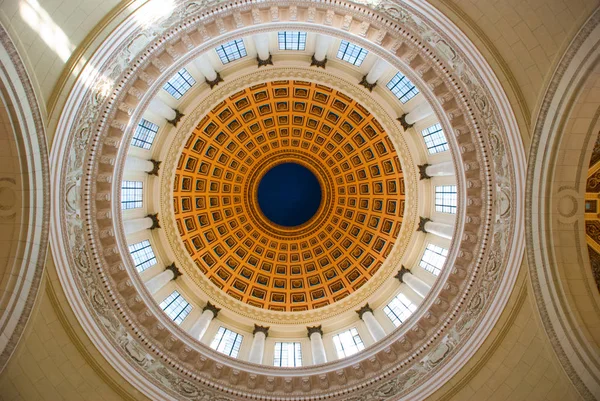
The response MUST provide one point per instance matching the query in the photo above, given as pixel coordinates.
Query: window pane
(402, 88)
(347, 343)
(231, 51)
(179, 84)
(176, 307)
(445, 199)
(132, 194)
(435, 139)
(144, 134)
(227, 342)
(292, 40)
(399, 309)
(287, 355)
(143, 255)
(351, 53)
(433, 259)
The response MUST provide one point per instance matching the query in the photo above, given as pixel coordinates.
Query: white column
(162, 109)
(159, 281)
(205, 67)
(439, 229)
(418, 113)
(416, 284)
(440, 169)
(261, 41)
(257, 350)
(377, 71)
(373, 326)
(136, 225)
(322, 43)
(136, 164)
(208, 314)
(316, 344)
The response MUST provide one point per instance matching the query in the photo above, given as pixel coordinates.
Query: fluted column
(415, 283)
(261, 42)
(159, 107)
(369, 81)
(159, 281)
(442, 169)
(366, 314)
(211, 76)
(418, 113)
(257, 350)
(316, 344)
(440, 229)
(133, 226)
(209, 312)
(322, 43)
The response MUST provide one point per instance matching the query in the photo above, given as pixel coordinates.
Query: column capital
(155, 221)
(178, 116)
(422, 222)
(423, 171)
(400, 275)
(262, 63)
(174, 269)
(314, 329)
(211, 308)
(317, 63)
(364, 310)
(261, 329)
(366, 83)
(215, 81)
(403, 122)
(155, 167)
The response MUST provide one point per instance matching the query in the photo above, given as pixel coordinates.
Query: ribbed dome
(289, 268)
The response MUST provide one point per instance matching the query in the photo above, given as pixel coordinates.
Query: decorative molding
(211, 308)
(178, 116)
(422, 222)
(262, 63)
(176, 272)
(366, 84)
(400, 275)
(155, 167)
(402, 120)
(316, 63)
(261, 329)
(214, 82)
(423, 171)
(314, 329)
(155, 221)
(366, 308)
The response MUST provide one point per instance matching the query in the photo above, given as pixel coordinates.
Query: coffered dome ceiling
(304, 266)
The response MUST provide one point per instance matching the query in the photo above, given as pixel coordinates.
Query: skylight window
(348, 343)
(399, 309)
(132, 194)
(402, 88)
(351, 53)
(231, 51)
(287, 355)
(179, 84)
(176, 307)
(445, 199)
(143, 255)
(435, 139)
(227, 342)
(292, 40)
(144, 134)
(433, 259)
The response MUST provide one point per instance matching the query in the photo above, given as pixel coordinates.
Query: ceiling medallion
(304, 266)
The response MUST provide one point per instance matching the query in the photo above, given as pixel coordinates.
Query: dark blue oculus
(289, 194)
